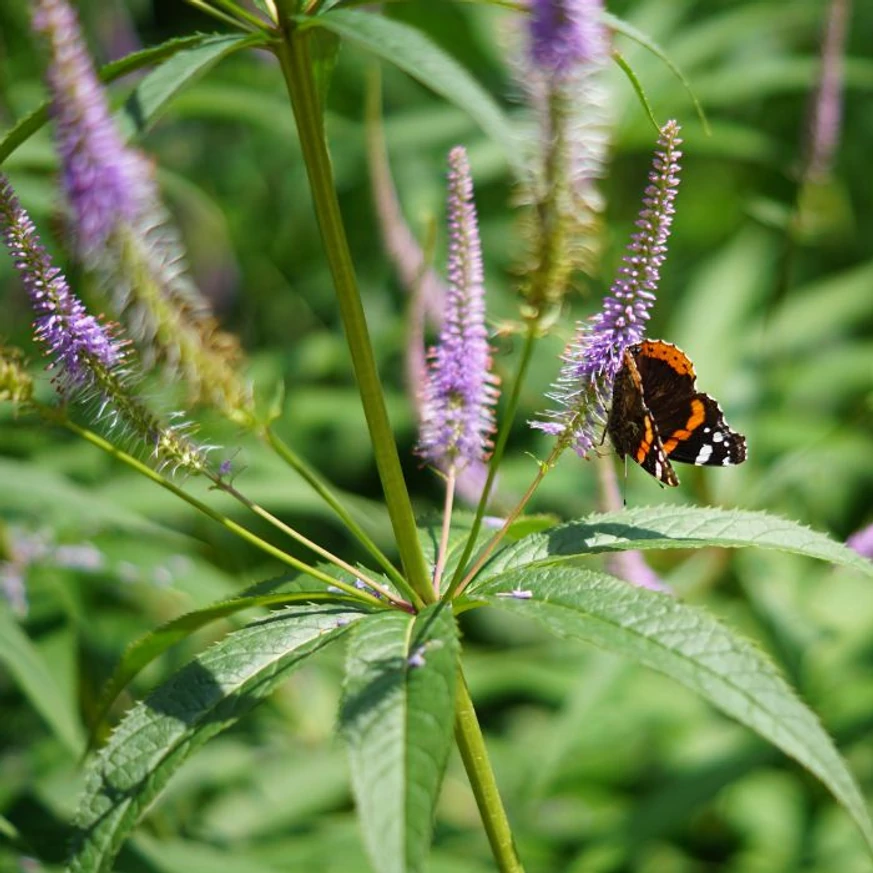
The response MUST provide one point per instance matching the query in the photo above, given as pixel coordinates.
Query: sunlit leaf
(672, 527)
(689, 645)
(414, 53)
(397, 718)
(204, 698)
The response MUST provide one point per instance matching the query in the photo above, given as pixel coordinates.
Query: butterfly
(658, 416)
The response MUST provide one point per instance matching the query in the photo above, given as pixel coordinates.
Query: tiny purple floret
(460, 390)
(73, 339)
(416, 659)
(516, 594)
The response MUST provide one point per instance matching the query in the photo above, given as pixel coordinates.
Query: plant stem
(451, 479)
(485, 554)
(471, 744)
(268, 516)
(497, 456)
(315, 481)
(207, 510)
(293, 53)
(215, 13)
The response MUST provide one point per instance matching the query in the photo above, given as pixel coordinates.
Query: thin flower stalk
(595, 355)
(410, 260)
(561, 72)
(121, 231)
(88, 359)
(228, 523)
(827, 109)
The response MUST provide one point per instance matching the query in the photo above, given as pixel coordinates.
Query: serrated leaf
(204, 698)
(672, 527)
(35, 679)
(141, 652)
(397, 717)
(413, 52)
(145, 104)
(30, 124)
(691, 646)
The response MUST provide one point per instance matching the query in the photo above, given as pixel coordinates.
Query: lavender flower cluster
(74, 340)
(595, 354)
(460, 392)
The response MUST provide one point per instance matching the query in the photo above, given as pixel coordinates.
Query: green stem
(242, 14)
(485, 554)
(329, 556)
(207, 510)
(496, 457)
(293, 53)
(451, 480)
(322, 489)
(471, 744)
(206, 9)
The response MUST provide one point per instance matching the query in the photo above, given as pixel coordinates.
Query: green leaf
(140, 653)
(637, 85)
(31, 123)
(36, 680)
(397, 718)
(689, 645)
(672, 527)
(204, 698)
(32, 488)
(187, 59)
(145, 104)
(409, 49)
(631, 32)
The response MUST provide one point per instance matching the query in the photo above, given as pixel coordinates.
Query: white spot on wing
(703, 455)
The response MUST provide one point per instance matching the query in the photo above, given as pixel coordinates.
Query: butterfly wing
(692, 426)
(632, 426)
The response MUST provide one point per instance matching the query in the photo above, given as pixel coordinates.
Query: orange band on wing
(698, 416)
(646, 444)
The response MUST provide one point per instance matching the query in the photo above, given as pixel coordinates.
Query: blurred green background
(605, 768)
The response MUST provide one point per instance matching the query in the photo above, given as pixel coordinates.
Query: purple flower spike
(565, 34)
(457, 408)
(73, 338)
(104, 182)
(595, 354)
(828, 110)
(626, 310)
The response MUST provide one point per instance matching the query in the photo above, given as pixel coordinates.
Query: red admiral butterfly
(657, 416)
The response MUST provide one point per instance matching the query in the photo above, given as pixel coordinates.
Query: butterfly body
(658, 417)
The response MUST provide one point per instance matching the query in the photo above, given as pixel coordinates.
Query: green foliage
(688, 645)
(210, 694)
(397, 717)
(671, 527)
(34, 676)
(412, 52)
(603, 766)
